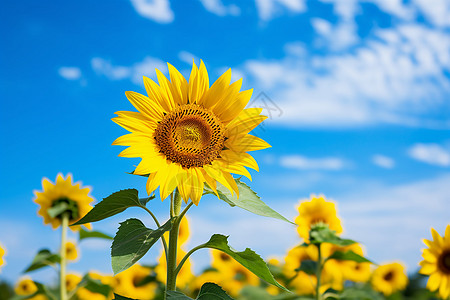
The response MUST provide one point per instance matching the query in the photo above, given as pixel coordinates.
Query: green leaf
(364, 293)
(132, 241)
(95, 286)
(112, 205)
(248, 258)
(84, 234)
(42, 259)
(174, 295)
(349, 255)
(118, 297)
(247, 200)
(323, 234)
(308, 266)
(210, 291)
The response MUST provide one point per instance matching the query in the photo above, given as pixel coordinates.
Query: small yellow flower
(2, 255)
(63, 191)
(189, 134)
(436, 263)
(72, 280)
(198, 281)
(389, 278)
(185, 275)
(317, 210)
(71, 251)
(128, 283)
(26, 286)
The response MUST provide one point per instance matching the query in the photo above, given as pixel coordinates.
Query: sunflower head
(436, 262)
(131, 283)
(188, 133)
(2, 254)
(71, 251)
(63, 197)
(317, 211)
(389, 278)
(72, 280)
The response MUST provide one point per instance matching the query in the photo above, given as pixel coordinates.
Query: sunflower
(208, 276)
(436, 262)
(189, 134)
(85, 294)
(185, 275)
(72, 280)
(389, 278)
(317, 210)
(130, 283)
(63, 191)
(71, 251)
(351, 270)
(26, 286)
(2, 254)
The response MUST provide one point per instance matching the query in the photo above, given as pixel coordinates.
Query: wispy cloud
(156, 10)
(269, 9)
(432, 154)
(146, 67)
(188, 57)
(383, 161)
(218, 8)
(306, 163)
(70, 73)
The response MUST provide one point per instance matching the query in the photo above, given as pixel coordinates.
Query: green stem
(173, 240)
(159, 225)
(318, 273)
(180, 265)
(62, 270)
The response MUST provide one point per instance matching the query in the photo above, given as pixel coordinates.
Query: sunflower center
(389, 276)
(444, 262)
(190, 135)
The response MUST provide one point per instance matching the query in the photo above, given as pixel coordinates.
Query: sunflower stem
(62, 269)
(173, 240)
(318, 273)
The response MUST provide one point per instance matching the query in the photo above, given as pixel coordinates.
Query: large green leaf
(349, 255)
(112, 205)
(248, 258)
(208, 291)
(42, 259)
(247, 200)
(132, 241)
(84, 234)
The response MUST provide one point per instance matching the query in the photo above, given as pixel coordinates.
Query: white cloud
(269, 9)
(397, 77)
(218, 8)
(156, 10)
(134, 72)
(437, 12)
(383, 161)
(70, 73)
(305, 163)
(432, 154)
(188, 57)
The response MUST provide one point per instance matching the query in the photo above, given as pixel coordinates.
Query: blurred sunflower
(26, 286)
(208, 276)
(63, 194)
(2, 254)
(185, 275)
(183, 232)
(436, 262)
(317, 210)
(71, 251)
(188, 133)
(389, 278)
(132, 283)
(85, 294)
(72, 280)
(351, 270)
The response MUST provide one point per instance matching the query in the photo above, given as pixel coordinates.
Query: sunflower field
(191, 136)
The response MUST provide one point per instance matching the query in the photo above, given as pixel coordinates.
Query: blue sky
(357, 95)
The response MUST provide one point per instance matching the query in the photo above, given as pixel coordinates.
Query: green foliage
(248, 258)
(308, 266)
(112, 205)
(118, 297)
(95, 286)
(247, 200)
(41, 290)
(359, 293)
(132, 241)
(349, 255)
(6, 290)
(43, 259)
(323, 234)
(208, 291)
(84, 234)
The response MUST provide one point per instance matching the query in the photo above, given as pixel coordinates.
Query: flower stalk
(318, 273)
(173, 241)
(63, 263)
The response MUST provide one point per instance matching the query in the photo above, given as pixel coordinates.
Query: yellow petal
(236, 106)
(228, 99)
(244, 126)
(149, 108)
(245, 143)
(156, 94)
(179, 84)
(433, 281)
(241, 158)
(166, 91)
(134, 122)
(217, 90)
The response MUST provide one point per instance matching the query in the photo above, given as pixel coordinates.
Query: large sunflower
(317, 210)
(389, 278)
(188, 133)
(63, 191)
(436, 262)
